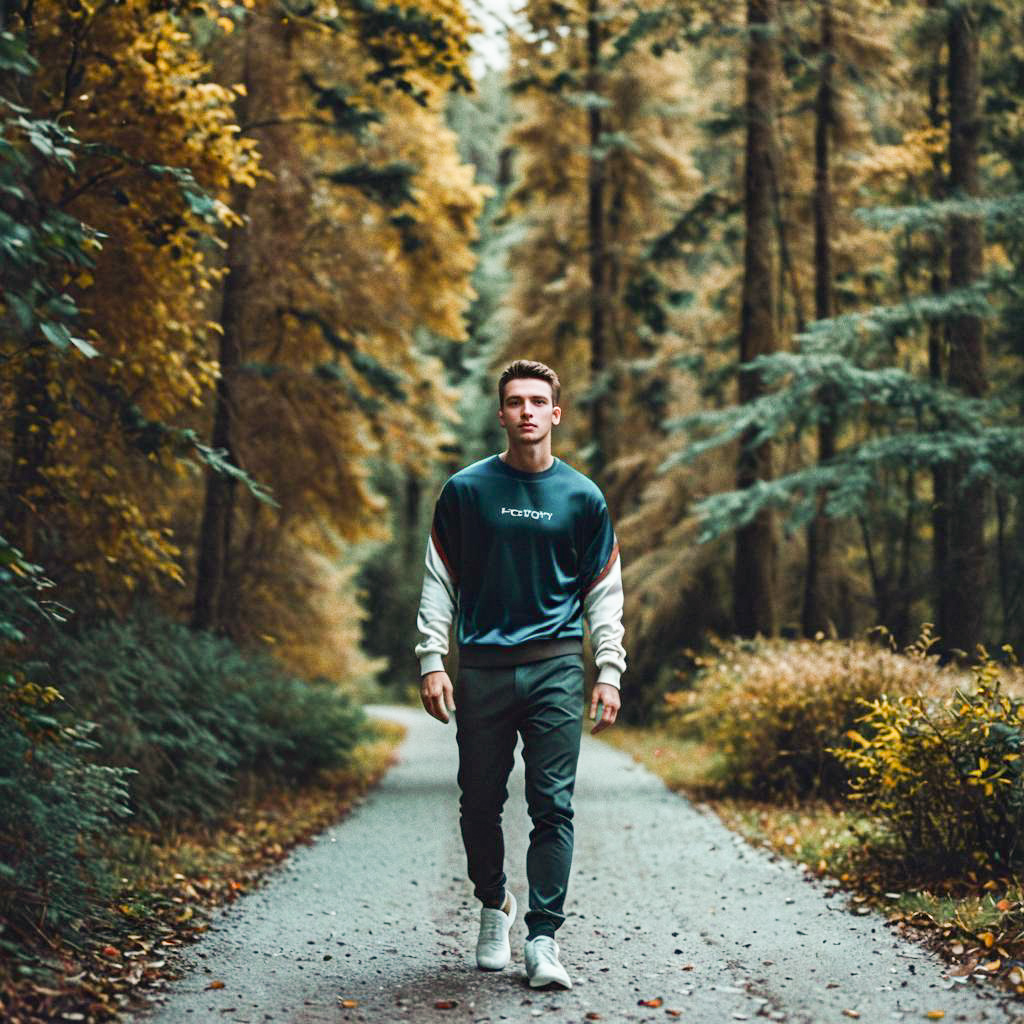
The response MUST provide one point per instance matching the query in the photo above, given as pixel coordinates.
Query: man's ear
(556, 414)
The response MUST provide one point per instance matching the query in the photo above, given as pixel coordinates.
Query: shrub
(184, 720)
(776, 709)
(55, 801)
(195, 717)
(945, 776)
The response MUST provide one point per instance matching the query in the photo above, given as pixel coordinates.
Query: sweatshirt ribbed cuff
(611, 675)
(431, 663)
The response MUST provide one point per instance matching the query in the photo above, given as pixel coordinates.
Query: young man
(521, 551)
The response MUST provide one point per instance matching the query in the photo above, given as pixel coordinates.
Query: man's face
(527, 412)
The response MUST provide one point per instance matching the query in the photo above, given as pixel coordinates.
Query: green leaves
(915, 422)
(39, 242)
(390, 184)
(59, 335)
(199, 200)
(14, 55)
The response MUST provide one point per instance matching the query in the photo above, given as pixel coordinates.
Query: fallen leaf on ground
(688, 967)
(593, 1016)
(349, 1004)
(674, 1013)
(656, 1001)
(935, 1014)
(215, 984)
(445, 1004)
(851, 1013)
(962, 970)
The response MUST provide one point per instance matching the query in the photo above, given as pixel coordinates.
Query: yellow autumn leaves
(202, 138)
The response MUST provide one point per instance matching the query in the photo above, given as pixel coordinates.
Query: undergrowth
(921, 767)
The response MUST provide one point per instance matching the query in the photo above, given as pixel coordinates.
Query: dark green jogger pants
(542, 702)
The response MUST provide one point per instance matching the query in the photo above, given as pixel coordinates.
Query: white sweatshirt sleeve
(436, 612)
(602, 608)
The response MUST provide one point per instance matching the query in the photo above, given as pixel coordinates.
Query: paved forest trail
(664, 903)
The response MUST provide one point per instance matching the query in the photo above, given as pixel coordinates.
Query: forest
(263, 261)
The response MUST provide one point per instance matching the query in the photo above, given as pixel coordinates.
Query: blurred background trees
(262, 264)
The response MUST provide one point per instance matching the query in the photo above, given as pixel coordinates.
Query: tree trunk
(819, 611)
(942, 580)
(34, 416)
(966, 334)
(598, 267)
(754, 584)
(211, 609)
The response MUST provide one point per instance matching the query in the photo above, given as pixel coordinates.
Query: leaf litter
(126, 953)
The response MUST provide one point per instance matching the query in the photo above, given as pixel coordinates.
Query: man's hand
(608, 697)
(437, 695)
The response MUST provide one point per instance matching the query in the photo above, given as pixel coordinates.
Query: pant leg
(551, 725)
(486, 721)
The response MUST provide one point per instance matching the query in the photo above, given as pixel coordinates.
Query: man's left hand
(608, 697)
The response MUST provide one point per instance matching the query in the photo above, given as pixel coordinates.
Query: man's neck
(534, 458)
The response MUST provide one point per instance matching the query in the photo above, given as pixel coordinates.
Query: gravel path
(664, 903)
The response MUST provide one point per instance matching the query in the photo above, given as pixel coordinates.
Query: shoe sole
(550, 983)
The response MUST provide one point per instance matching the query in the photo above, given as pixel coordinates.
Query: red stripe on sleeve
(604, 572)
(444, 556)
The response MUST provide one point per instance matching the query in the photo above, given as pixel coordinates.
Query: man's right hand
(438, 695)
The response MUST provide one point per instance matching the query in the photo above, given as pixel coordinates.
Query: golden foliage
(777, 709)
(944, 773)
(339, 284)
(650, 175)
(141, 97)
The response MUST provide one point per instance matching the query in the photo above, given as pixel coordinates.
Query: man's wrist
(609, 675)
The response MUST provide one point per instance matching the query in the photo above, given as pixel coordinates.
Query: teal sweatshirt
(521, 552)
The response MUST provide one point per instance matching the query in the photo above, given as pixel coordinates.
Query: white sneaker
(493, 951)
(542, 966)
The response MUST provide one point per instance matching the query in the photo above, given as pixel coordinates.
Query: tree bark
(32, 433)
(754, 582)
(819, 610)
(211, 608)
(967, 575)
(597, 256)
(945, 593)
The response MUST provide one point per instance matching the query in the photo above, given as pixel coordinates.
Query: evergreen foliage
(57, 802)
(195, 719)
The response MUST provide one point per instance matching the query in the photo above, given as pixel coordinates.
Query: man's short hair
(527, 369)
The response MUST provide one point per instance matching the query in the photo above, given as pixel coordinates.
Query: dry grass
(776, 709)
